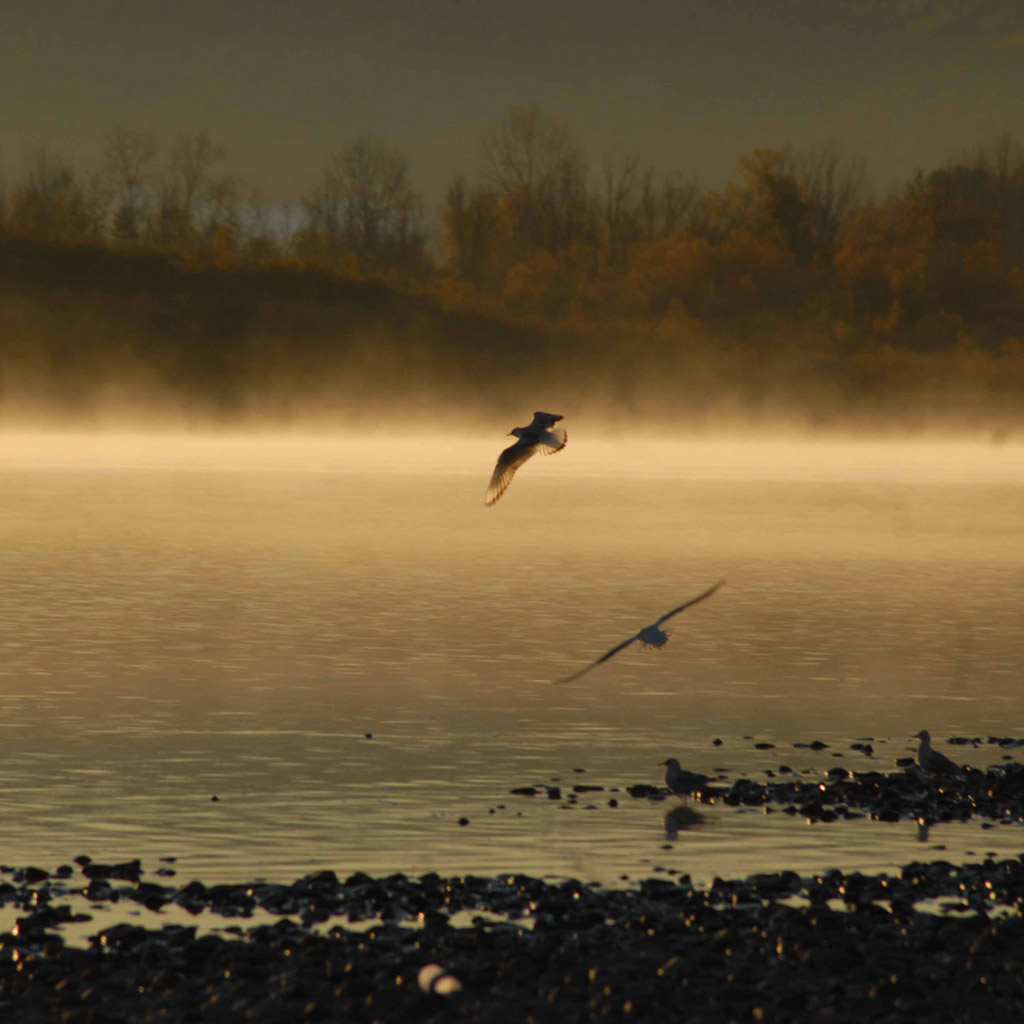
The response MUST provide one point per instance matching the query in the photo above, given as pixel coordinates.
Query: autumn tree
(619, 202)
(739, 252)
(470, 238)
(945, 259)
(980, 198)
(196, 208)
(885, 264)
(668, 205)
(539, 177)
(127, 161)
(265, 230)
(3, 201)
(833, 186)
(51, 203)
(637, 206)
(365, 211)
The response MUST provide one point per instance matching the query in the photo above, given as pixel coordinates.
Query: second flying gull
(650, 636)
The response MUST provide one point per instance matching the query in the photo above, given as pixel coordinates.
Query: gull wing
(932, 760)
(694, 600)
(604, 657)
(508, 462)
(544, 420)
(552, 441)
(938, 762)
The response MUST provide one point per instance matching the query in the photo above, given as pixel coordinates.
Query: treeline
(791, 289)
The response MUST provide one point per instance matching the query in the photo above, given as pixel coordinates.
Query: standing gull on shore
(541, 434)
(680, 781)
(932, 761)
(650, 636)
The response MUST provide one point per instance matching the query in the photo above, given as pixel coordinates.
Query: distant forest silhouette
(791, 293)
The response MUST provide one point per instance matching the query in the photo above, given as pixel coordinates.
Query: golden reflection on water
(186, 616)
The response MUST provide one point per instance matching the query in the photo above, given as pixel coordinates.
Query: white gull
(650, 636)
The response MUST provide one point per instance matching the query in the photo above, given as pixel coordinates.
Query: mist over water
(190, 616)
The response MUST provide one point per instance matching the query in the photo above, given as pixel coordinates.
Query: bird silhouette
(541, 434)
(650, 636)
(931, 760)
(680, 781)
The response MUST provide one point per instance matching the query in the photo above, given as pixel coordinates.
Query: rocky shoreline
(936, 942)
(995, 795)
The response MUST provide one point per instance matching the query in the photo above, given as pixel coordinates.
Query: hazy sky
(688, 84)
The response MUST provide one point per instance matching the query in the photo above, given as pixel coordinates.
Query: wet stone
(642, 791)
(128, 871)
(99, 890)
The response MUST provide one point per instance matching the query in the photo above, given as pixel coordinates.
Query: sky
(686, 85)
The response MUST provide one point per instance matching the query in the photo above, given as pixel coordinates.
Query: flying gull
(932, 761)
(540, 434)
(649, 636)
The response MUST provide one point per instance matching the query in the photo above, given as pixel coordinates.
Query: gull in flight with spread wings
(649, 636)
(540, 434)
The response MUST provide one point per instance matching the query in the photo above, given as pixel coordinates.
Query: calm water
(188, 618)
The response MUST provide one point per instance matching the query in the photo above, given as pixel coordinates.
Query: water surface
(183, 618)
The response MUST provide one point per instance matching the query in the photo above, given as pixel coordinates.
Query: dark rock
(129, 871)
(641, 791)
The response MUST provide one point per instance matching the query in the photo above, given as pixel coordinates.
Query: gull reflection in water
(681, 818)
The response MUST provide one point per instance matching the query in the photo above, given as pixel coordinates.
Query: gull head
(924, 734)
(516, 432)
(672, 762)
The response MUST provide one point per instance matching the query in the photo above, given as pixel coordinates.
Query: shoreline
(936, 941)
